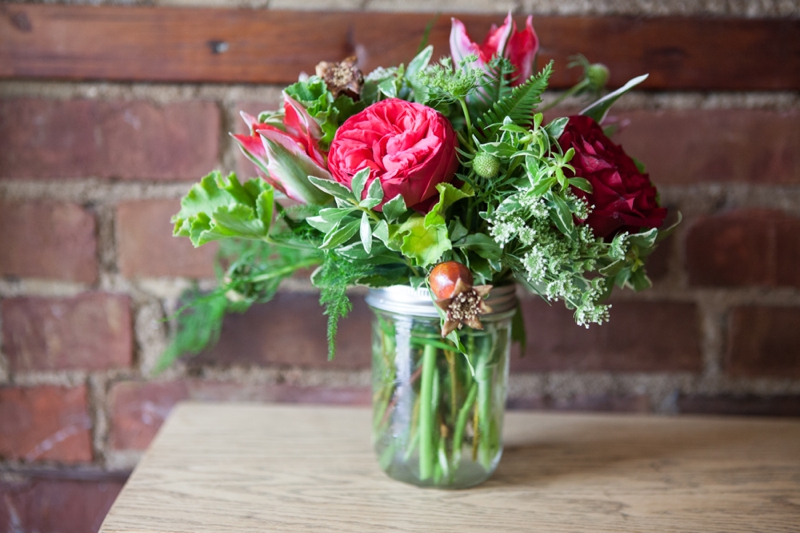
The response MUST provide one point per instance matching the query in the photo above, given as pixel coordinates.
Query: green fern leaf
(519, 105)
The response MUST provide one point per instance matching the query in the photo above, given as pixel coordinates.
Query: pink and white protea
(519, 47)
(287, 154)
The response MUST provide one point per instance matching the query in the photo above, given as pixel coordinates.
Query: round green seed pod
(598, 75)
(486, 165)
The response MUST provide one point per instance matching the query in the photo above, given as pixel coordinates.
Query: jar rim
(408, 300)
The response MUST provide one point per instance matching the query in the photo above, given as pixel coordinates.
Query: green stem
(461, 424)
(483, 377)
(577, 87)
(285, 270)
(426, 429)
(464, 108)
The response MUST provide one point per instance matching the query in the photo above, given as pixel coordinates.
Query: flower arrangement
(375, 180)
(436, 175)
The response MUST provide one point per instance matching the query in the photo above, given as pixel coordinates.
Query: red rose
(624, 199)
(411, 148)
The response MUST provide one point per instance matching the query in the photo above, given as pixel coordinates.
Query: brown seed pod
(451, 283)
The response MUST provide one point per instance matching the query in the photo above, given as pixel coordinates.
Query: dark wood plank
(249, 46)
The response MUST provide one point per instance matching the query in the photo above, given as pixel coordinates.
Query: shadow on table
(588, 450)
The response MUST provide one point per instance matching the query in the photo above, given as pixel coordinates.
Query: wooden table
(251, 468)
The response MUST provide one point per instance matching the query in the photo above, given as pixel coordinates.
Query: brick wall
(90, 174)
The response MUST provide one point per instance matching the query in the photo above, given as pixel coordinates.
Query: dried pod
(451, 283)
(342, 78)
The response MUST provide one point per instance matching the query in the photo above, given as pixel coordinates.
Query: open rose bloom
(409, 147)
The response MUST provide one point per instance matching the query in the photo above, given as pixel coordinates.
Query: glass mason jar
(438, 414)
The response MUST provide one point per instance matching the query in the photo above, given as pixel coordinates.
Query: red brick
(637, 403)
(641, 337)
(739, 405)
(244, 168)
(755, 247)
(124, 139)
(290, 330)
(764, 341)
(47, 240)
(45, 423)
(146, 247)
(56, 506)
(721, 145)
(91, 331)
(138, 409)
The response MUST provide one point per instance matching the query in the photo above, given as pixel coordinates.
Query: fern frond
(519, 105)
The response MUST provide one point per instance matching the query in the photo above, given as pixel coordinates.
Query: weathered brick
(56, 506)
(764, 341)
(47, 240)
(636, 403)
(45, 423)
(91, 331)
(720, 145)
(748, 247)
(290, 330)
(124, 139)
(739, 405)
(146, 247)
(138, 408)
(641, 337)
(244, 168)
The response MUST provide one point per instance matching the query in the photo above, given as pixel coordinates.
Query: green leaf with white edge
(645, 239)
(388, 235)
(321, 224)
(612, 269)
(366, 232)
(335, 189)
(664, 233)
(481, 244)
(359, 181)
(561, 215)
(375, 190)
(340, 235)
(556, 127)
(335, 214)
(582, 184)
(419, 62)
(599, 109)
(423, 244)
(394, 208)
(543, 186)
(448, 195)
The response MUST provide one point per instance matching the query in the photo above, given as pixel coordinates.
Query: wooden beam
(257, 46)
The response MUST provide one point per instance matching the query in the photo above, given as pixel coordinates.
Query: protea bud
(451, 283)
(486, 165)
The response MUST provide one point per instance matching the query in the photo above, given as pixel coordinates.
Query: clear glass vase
(437, 413)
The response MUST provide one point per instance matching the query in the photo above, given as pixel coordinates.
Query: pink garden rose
(410, 148)
(624, 199)
(519, 47)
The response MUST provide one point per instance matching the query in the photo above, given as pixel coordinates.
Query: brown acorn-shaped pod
(462, 302)
(342, 78)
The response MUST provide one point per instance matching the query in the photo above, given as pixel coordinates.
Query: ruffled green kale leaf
(220, 208)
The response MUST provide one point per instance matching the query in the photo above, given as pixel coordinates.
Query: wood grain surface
(260, 46)
(256, 468)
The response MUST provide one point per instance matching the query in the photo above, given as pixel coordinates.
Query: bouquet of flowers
(440, 175)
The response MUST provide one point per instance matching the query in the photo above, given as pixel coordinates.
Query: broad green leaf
(423, 244)
(335, 214)
(241, 221)
(543, 186)
(321, 224)
(448, 195)
(340, 235)
(394, 208)
(612, 269)
(358, 182)
(599, 109)
(419, 62)
(664, 233)
(481, 244)
(366, 232)
(456, 230)
(335, 189)
(264, 206)
(639, 280)
(387, 233)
